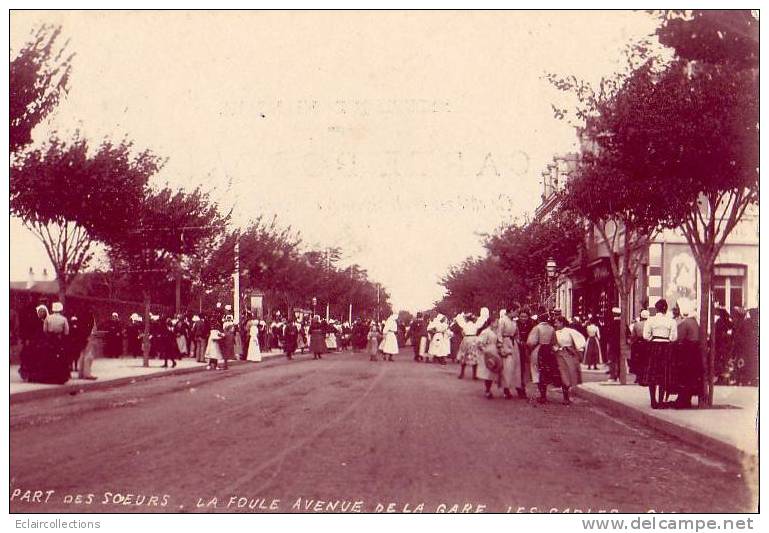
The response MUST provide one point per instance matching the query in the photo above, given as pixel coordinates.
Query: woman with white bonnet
(317, 334)
(489, 365)
(569, 344)
(468, 349)
(389, 346)
(686, 357)
(511, 376)
(254, 352)
(213, 351)
(440, 344)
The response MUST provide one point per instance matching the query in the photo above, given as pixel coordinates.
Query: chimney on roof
(30, 278)
(45, 274)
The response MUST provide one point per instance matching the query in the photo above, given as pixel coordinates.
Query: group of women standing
(508, 351)
(673, 360)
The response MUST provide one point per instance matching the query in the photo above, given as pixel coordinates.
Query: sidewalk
(729, 429)
(110, 372)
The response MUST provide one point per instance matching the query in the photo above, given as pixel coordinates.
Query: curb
(705, 442)
(75, 388)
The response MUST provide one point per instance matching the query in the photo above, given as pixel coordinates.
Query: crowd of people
(509, 348)
(54, 344)
(514, 348)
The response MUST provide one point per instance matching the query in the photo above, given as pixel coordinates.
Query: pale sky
(398, 136)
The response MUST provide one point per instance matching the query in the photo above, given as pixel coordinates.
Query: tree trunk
(621, 352)
(62, 280)
(146, 336)
(706, 271)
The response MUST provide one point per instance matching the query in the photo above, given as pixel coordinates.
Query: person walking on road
(254, 352)
(418, 335)
(373, 340)
(317, 338)
(569, 345)
(544, 366)
(227, 343)
(489, 365)
(213, 350)
(290, 339)
(511, 376)
(389, 346)
(440, 343)
(468, 349)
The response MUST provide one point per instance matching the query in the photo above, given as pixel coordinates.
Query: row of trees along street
(672, 142)
(98, 204)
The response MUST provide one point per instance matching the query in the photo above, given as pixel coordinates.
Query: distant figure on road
(317, 338)
(213, 351)
(440, 343)
(507, 343)
(544, 366)
(254, 352)
(525, 324)
(489, 362)
(468, 349)
(418, 334)
(568, 347)
(290, 339)
(389, 346)
(374, 338)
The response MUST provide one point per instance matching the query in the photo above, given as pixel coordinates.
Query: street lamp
(314, 303)
(550, 268)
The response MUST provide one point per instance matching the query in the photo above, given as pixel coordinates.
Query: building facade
(668, 268)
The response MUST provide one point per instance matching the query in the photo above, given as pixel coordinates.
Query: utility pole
(328, 270)
(349, 319)
(236, 283)
(179, 277)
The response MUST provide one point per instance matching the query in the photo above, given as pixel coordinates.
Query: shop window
(729, 286)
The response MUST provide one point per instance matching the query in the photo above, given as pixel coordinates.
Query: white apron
(212, 350)
(440, 345)
(254, 352)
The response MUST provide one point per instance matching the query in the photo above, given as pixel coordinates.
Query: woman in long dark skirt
(317, 338)
(168, 346)
(593, 345)
(35, 343)
(660, 330)
(687, 359)
(541, 340)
